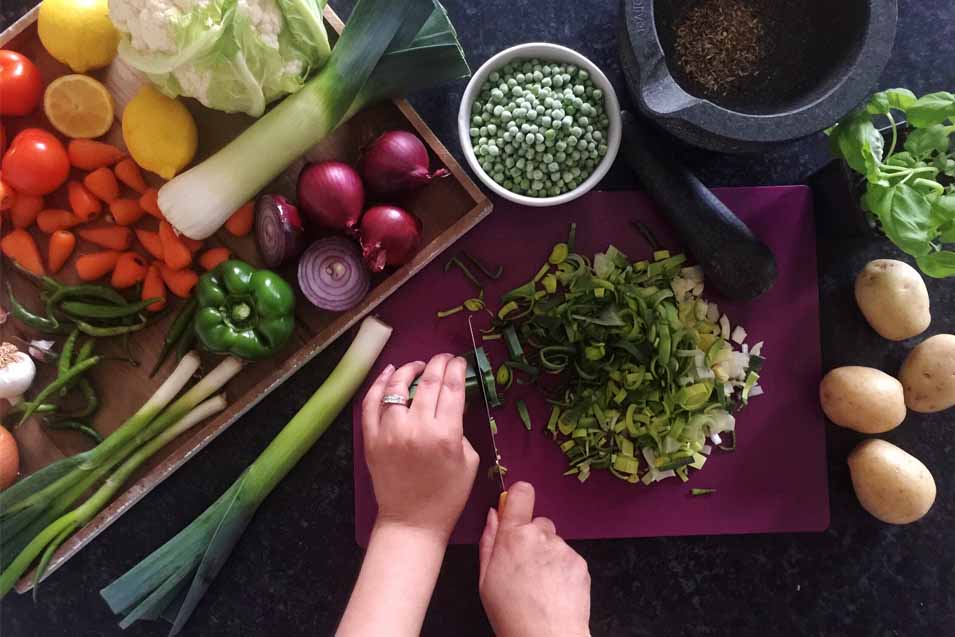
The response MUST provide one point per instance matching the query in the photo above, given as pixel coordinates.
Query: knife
(492, 426)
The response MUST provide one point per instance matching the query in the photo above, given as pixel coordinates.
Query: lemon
(78, 106)
(159, 132)
(78, 33)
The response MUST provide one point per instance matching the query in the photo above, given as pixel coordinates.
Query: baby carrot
(128, 172)
(62, 243)
(110, 237)
(154, 288)
(102, 183)
(240, 223)
(84, 204)
(52, 219)
(194, 245)
(150, 203)
(25, 209)
(7, 197)
(86, 154)
(150, 241)
(213, 257)
(92, 266)
(179, 282)
(130, 269)
(175, 253)
(21, 248)
(126, 212)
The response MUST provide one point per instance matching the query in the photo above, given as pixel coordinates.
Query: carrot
(102, 183)
(92, 266)
(8, 198)
(179, 282)
(194, 245)
(128, 172)
(21, 248)
(150, 241)
(154, 288)
(25, 209)
(130, 269)
(240, 223)
(213, 257)
(62, 243)
(86, 154)
(126, 212)
(175, 253)
(150, 203)
(53, 219)
(110, 237)
(84, 204)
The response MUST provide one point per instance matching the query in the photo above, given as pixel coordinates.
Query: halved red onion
(279, 232)
(332, 275)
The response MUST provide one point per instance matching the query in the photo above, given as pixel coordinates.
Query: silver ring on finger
(394, 399)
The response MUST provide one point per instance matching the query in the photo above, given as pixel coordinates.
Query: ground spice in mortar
(720, 42)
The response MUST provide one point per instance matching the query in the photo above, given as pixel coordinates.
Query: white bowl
(546, 53)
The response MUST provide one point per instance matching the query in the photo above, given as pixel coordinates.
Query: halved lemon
(78, 106)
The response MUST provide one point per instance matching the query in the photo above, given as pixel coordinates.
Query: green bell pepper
(244, 311)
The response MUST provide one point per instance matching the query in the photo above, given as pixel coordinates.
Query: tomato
(36, 163)
(3, 139)
(20, 84)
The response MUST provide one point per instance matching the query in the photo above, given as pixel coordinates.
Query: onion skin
(279, 232)
(397, 162)
(331, 195)
(390, 237)
(332, 276)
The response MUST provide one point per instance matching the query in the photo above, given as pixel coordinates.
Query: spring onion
(639, 369)
(31, 505)
(388, 48)
(173, 579)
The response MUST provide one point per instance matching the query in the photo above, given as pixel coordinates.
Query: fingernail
(390, 368)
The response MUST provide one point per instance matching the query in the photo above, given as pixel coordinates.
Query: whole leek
(172, 580)
(388, 48)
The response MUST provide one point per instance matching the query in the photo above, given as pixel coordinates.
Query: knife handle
(501, 501)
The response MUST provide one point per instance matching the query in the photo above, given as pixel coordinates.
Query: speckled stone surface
(293, 569)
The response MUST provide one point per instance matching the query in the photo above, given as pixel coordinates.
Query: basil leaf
(938, 265)
(895, 98)
(861, 145)
(922, 142)
(903, 159)
(931, 109)
(908, 222)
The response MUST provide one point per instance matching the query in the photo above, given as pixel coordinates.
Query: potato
(893, 299)
(928, 375)
(862, 399)
(891, 484)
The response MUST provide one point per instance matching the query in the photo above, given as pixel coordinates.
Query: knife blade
(492, 427)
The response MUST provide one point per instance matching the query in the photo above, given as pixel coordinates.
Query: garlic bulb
(16, 372)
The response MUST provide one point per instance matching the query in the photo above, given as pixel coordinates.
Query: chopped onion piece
(739, 335)
(725, 327)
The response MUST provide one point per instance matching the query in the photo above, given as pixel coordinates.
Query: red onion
(397, 162)
(389, 237)
(332, 275)
(278, 230)
(331, 195)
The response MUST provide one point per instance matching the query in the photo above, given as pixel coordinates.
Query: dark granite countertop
(292, 571)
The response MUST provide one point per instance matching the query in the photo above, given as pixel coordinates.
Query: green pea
(498, 110)
(602, 149)
(477, 120)
(475, 132)
(506, 116)
(578, 90)
(529, 138)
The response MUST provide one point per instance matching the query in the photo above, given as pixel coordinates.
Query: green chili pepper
(179, 325)
(47, 325)
(116, 330)
(244, 311)
(89, 394)
(185, 342)
(55, 386)
(75, 425)
(42, 408)
(93, 311)
(84, 292)
(66, 356)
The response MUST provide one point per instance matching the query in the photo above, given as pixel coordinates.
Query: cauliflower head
(231, 55)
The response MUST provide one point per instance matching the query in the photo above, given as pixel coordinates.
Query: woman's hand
(532, 583)
(422, 467)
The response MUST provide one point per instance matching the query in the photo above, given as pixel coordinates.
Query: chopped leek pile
(643, 374)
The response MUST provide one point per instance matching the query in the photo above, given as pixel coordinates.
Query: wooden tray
(448, 209)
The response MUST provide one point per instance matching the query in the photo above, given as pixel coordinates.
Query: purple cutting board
(776, 479)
